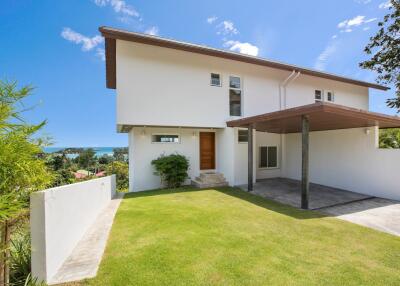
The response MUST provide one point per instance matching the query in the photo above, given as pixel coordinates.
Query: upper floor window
(165, 138)
(330, 96)
(243, 136)
(235, 96)
(318, 95)
(268, 157)
(215, 79)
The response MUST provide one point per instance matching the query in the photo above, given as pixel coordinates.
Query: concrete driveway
(377, 213)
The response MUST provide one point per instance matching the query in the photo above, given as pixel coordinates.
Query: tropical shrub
(20, 256)
(389, 138)
(22, 168)
(121, 171)
(172, 169)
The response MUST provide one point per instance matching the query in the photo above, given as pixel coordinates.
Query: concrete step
(210, 179)
(202, 185)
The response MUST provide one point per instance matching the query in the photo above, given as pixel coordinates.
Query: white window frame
(158, 133)
(322, 95)
(247, 136)
(241, 94)
(333, 95)
(259, 158)
(220, 79)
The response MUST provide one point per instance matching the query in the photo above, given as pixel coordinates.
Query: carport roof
(322, 116)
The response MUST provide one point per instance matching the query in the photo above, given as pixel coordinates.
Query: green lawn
(229, 237)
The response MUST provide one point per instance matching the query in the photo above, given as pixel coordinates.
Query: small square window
(268, 157)
(329, 96)
(318, 95)
(243, 136)
(234, 82)
(215, 79)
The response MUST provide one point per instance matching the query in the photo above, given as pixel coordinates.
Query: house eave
(112, 34)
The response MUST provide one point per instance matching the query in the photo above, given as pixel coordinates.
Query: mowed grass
(229, 237)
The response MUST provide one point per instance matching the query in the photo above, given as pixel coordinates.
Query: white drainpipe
(282, 105)
(282, 89)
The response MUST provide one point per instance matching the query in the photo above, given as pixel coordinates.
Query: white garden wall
(60, 217)
(348, 159)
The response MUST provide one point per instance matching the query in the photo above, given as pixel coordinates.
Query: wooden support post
(250, 158)
(305, 184)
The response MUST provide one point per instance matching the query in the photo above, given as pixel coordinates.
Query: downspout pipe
(282, 105)
(282, 89)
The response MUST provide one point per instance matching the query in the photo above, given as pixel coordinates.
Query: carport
(319, 116)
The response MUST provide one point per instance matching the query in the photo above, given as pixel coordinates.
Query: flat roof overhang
(322, 116)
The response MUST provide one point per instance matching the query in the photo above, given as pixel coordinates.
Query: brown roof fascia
(312, 108)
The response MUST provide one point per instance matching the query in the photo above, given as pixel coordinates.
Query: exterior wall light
(367, 131)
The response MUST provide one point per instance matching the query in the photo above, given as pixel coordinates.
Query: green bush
(20, 260)
(389, 138)
(121, 171)
(172, 169)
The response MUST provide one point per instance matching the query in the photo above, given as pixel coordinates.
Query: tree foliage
(385, 50)
(172, 169)
(389, 138)
(121, 171)
(120, 153)
(86, 158)
(22, 170)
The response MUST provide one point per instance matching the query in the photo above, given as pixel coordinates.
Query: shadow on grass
(239, 194)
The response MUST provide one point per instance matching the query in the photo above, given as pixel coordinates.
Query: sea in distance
(100, 151)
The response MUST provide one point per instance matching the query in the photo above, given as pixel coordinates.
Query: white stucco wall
(225, 149)
(302, 91)
(165, 87)
(142, 151)
(241, 154)
(169, 88)
(60, 216)
(347, 159)
(231, 156)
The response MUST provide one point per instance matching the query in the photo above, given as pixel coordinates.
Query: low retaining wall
(59, 217)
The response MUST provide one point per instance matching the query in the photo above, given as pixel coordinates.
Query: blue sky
(55, 46)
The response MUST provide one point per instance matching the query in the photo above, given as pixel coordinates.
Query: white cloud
(323, 57)
(227, 28)
(212, 19)
(334, 36)
(152, 31)
(119, 6)
(347, 25)
(244, 48)
(385, 5)
(363, 1)
(101, 54)
(366, 28)
(77, 38)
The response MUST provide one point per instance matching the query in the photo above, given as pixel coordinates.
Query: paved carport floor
(377, 213)
(287, 191)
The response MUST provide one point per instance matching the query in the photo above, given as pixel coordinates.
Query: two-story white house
(176, 97)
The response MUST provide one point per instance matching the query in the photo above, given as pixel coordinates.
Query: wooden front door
(207, 150)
